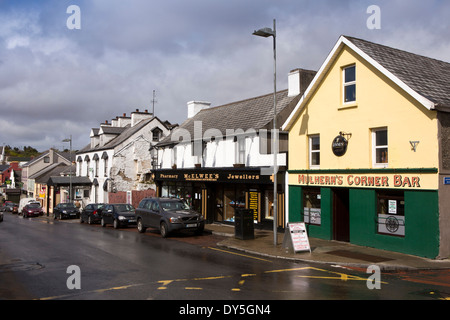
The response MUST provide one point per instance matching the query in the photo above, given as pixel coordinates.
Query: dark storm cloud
(56, 82)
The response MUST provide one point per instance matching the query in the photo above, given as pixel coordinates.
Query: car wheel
(81, 219)
(89, 220)
(140, 226)
(164, 230)
(116, 224)
(103, 223)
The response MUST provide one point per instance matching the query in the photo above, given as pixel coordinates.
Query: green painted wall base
(421, 220)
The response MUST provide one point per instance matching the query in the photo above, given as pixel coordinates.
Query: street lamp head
(264, 32)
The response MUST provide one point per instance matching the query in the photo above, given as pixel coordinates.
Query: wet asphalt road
(35, 255)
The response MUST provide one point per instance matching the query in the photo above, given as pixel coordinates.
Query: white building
(118, 160)
(221, 158)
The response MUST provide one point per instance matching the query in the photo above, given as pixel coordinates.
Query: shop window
(349, 75)
(234, 198)
(391, 213)
(311, 206)
(380, 147)
(314, 151)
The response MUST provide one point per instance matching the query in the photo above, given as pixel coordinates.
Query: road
(37, 258)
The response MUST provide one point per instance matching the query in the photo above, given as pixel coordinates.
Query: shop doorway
(341, 215)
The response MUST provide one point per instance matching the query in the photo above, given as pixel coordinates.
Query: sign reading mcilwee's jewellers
(254, 176)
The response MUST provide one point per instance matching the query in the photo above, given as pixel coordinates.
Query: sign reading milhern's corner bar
(247, 176)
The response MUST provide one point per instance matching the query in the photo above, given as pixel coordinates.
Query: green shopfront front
(387, 209)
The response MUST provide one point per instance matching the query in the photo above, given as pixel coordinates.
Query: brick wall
(136, 196)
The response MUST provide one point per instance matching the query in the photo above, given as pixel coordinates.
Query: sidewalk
(324, 251)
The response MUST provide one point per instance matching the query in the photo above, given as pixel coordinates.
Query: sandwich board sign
(298, 237)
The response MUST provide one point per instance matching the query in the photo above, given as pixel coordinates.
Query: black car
(119, 215)
(92, 213)
(66, 210)
(168, 214)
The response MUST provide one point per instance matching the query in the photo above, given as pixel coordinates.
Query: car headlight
(64, 211)
(174, 220)
(122, 218)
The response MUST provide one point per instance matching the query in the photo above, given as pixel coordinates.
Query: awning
(66, 181)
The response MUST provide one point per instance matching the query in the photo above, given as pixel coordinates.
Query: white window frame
(311, 151)
(240, 146)
(346, 84)
(376, 164)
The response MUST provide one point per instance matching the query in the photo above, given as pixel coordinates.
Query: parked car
(168, 215)
(92, 213)
(4, 206)
(66, 210)
(10, 207)
(24, 201)
(32, 209)
(14, 208)
(121, 214)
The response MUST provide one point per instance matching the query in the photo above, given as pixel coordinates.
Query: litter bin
(243, 224)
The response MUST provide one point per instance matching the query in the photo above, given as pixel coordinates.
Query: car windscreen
(34, 205)
(67, 205)
(124, 207)
(174, 205)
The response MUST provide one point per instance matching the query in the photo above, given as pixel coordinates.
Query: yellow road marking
(239, 254)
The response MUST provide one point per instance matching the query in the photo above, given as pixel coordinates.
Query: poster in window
(312, 215)
(391, 224)
(392, 206)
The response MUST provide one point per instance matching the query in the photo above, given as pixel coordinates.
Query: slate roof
(123, 133)
(426, 79)
(427, 76)
(254, 113)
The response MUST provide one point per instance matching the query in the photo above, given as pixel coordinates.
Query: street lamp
(267, 32)
(70, 170)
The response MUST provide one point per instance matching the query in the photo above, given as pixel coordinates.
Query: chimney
(299, 80)
(195, 107)
(138, 116)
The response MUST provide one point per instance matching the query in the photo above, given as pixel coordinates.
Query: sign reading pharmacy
(366, 180)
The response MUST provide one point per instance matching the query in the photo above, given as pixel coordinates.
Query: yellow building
(369, 151)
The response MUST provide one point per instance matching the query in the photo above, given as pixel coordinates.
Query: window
(391, 212)
(156, 134)
(349, 74)
(380, 147)
(314, 151)
(105, 172)
(240, 151)
(96, 168)
(311, 206)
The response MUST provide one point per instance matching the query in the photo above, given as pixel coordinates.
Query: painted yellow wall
(379, 103)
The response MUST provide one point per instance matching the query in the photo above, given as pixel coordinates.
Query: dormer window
(349, 74)
(156, 134)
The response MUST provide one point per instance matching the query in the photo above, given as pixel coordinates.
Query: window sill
(350, 105)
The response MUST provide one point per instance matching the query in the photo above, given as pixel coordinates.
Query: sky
(63, 72)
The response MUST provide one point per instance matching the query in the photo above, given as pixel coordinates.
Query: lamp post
(267, 32)
(70, 170)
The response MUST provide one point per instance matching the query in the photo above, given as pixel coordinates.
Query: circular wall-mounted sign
(339, 146)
